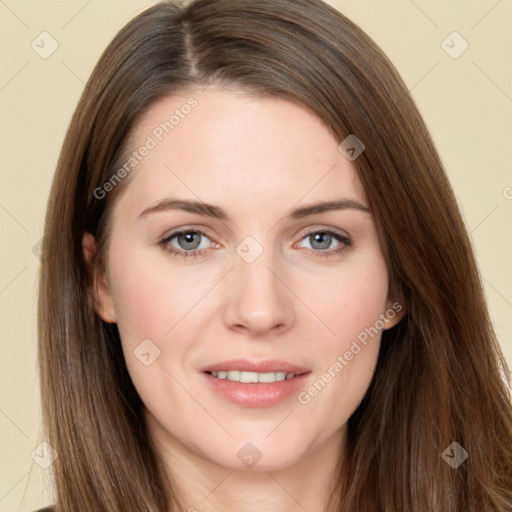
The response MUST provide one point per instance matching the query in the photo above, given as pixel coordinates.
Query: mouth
(256, 383)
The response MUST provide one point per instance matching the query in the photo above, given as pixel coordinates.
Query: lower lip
(257, 394)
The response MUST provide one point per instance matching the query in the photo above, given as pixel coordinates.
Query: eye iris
(324, 240)
(189, 243)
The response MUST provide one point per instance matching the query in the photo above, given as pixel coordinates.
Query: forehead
(220, 144)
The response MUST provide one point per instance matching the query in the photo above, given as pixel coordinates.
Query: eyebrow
(216, 212)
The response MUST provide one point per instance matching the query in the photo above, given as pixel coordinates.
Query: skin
(256, 158)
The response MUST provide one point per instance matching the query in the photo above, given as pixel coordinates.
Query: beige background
(467, 103)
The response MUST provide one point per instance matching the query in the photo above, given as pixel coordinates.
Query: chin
(252, 461)
(257, 453)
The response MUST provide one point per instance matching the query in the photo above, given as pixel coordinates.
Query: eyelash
(346, 243)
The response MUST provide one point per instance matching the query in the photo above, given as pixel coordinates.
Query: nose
(258, 302)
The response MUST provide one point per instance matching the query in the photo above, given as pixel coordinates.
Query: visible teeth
(252, 377)
(234, 375)
(248, 377)
(267, 377)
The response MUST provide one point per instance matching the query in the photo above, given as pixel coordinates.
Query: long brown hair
(440, 377)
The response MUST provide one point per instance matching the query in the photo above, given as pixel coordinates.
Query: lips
(267, 392)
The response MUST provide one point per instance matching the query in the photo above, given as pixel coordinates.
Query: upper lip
(266, 366)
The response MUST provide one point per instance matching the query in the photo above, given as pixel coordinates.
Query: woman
(256, 287)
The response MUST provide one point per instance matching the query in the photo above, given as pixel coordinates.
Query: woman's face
(262, 279)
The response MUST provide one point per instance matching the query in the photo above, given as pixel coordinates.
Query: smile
(252, 383)
(252, 377)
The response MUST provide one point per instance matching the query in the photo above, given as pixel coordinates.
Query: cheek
(149, 302)
(150, 297)
(351, 305)
(351, 302)
(156, 306)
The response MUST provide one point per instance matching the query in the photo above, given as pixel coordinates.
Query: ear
(99, 289)
(395, 311)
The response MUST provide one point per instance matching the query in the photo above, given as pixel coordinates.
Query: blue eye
(321, 242)
(188, 242)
